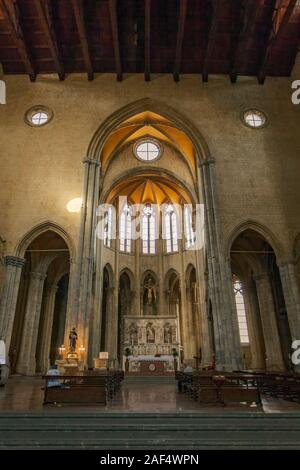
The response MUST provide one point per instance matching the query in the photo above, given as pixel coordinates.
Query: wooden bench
(213, 388)
(83, 388)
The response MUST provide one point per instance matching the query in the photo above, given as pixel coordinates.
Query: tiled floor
(25, 394)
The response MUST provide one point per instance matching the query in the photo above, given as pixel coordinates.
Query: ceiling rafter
(115, 33)
(180, 36)
(147, 4)
(45, 14)
(217, 8)
(250, 10)
(282, 14)
(11, 15)
(78, 9)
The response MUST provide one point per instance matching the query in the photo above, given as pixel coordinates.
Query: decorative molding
(14, 261)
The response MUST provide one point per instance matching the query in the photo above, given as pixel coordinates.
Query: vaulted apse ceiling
(152, 125)
(142, 189)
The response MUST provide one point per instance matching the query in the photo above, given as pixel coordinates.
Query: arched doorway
(169, 179)
(263, 324)
(47, 259)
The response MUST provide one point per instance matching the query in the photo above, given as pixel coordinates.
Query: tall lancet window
(107, 227)
(188, 227)
(148, 230)
(125, 229)
(171, 229)
(241, 312)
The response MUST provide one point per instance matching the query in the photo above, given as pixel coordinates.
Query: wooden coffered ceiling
(235, 37)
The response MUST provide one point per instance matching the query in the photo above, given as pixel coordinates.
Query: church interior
(150, 226)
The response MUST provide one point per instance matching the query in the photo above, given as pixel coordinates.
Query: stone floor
(25, 394)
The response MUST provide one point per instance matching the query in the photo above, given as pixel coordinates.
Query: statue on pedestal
(149, 297)
(73, 337)
(167, 333)
(133, 334)
(150, 333)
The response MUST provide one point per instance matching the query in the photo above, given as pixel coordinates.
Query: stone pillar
(27, 357)
(115, 311)
(111, 324)
(194, 331)
(46, 333)
(9, 297)
(274, 359)
(95, 334)
(203, 308)
(258, 353)
(137, 305)
(228, 352)
(80, 315)
(188, 350)
(291, 291)
(161, 307)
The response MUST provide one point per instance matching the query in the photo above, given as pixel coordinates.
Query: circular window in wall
(147, 150)
(38, 116)
(254, 118)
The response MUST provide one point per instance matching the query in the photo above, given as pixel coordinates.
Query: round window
(147, 150)
(254, 118)
(38, 116)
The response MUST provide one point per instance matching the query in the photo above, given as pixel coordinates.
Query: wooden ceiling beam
(147, 4)
(11, 15)
(279, 23)
(217, 8)
(250, 9)
(115, 33)
(78, 10)
(45, 14)
(180, 36)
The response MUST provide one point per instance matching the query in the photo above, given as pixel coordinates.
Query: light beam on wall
(74, 205)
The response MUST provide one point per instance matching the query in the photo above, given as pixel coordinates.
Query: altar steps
(155, 379)
(156, 430)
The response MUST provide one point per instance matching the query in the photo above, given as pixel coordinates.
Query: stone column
(80, 316)
(203, 307)
(27, 357)
(137, 308)
(95, 334)
(9, 297)
(115, 311)
(228, 352)
(258, 353)
(291, 291)
(112, 324)
(274, 359)
(160, 249)
(187, 345)
(50, 296)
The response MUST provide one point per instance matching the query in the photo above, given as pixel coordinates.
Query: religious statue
(167, 333)
(150, 333)
(133, 334)
(73, 337)
(149, 296)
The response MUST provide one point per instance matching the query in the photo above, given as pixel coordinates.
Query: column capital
(209, 161)
(14, 261)
(91, 161)
(37, 275)
(286, 262)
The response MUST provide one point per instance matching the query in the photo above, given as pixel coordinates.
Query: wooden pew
(224, 388)
(83, 388)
